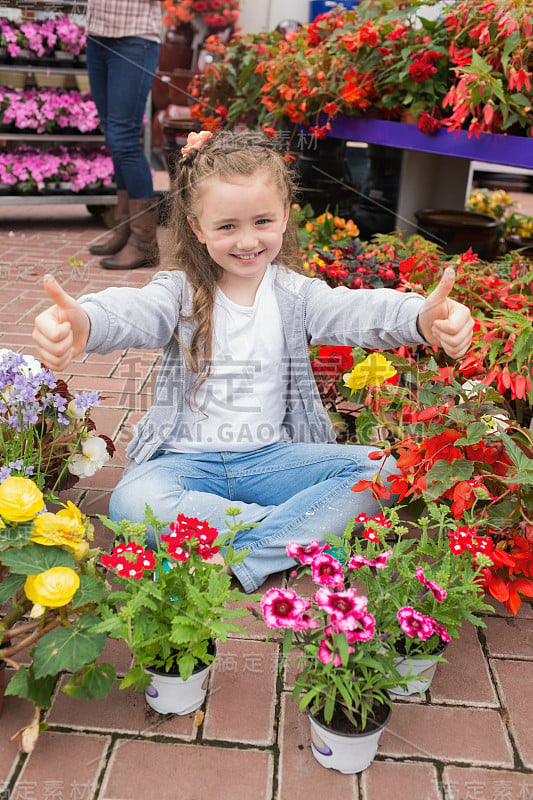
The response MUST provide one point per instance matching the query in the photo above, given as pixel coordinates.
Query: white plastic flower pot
(347, 753)
(169, 694)
(422, 671)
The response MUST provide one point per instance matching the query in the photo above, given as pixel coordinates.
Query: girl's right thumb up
(57, 295)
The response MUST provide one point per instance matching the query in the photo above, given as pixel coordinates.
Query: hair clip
(195, 141)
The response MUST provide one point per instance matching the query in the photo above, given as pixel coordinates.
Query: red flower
(420, 71)
(335, 359)
(428, 123)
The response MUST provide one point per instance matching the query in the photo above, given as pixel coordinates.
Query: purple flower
(85, 401)
(5, 472)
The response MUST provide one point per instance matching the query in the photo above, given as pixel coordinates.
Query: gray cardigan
(312, 313)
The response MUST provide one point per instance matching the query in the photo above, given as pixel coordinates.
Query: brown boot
(119, 235)
(141, 249)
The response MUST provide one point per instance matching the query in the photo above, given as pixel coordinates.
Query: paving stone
(244, 678)
(472, 735)
(16, 713)
(105, 478)
(515, 679)
(187, 772)
(474, 783)
(253, 624)
(122, 711)
(300, 775)
(510, 638)
(62, 765)
(117, 654)
(108, 421)
(524, 612)
(465, 677)
(384, 778)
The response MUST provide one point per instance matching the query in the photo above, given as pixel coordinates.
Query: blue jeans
(121, 73)
(296, 492)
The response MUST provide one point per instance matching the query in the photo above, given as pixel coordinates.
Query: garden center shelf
(96, 203)
(436, 168)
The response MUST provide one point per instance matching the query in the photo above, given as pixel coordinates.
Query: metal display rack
(95, 202)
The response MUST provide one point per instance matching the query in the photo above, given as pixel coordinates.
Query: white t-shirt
(242, 403)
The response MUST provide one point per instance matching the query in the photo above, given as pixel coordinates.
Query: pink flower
(326, 571)
(283, 608)
(437, 591)
(345, 608)
(413, 623)
(379, 562)
(305, 553)
(327, 652)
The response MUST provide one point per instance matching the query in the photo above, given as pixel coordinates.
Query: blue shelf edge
(494, 148)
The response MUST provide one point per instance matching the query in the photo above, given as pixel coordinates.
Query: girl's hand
(60, 333)
(445, 322)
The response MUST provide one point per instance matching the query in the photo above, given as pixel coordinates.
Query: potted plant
(461, 70)
(346, 668)
(50, 592)
(426, 578)
(213, 14)
(171, 606)
(46, 432)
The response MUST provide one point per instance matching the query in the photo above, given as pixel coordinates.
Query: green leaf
(15, 537)
(68, 648)
(186, 665)
(37, 690)
(91, 590)
(36, 558)
(511, 42)
(475, 432)
(364, 426)
(10, 586)
(94, 683)
(517, 456)
(138, 677)
(444, 474)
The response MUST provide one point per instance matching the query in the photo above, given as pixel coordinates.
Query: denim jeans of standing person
(121, 73)
(296, 492)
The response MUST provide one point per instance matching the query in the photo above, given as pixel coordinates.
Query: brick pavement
(468, 738)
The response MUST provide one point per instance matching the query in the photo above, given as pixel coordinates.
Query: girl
(237, 418)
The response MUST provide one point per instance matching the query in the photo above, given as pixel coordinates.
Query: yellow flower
(373, 371)
(20, 499)
(67, 527)
(53, 588)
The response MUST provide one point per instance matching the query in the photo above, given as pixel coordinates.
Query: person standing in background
(123, 38)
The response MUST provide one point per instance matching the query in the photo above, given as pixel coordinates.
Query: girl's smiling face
(242, 225)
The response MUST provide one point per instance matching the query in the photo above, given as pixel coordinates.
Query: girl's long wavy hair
(225, 155)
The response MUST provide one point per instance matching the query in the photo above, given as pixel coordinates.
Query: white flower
(472, 388)
(73, 413)
(30, 367)
(93, 456)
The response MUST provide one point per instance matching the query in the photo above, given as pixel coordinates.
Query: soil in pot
(341, 724)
